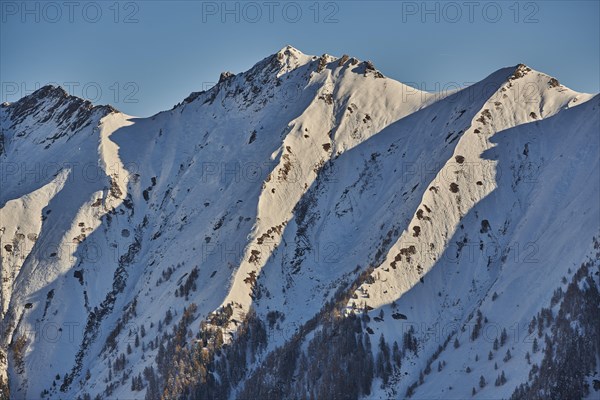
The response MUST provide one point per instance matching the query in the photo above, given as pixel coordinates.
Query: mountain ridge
(238, 214)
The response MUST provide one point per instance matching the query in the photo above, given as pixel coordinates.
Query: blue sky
(146, 56)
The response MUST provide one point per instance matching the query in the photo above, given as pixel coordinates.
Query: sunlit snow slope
(262, 215)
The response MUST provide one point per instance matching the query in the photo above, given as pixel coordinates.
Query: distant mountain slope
(305, 229)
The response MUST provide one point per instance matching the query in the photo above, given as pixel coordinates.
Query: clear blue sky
(169, 49)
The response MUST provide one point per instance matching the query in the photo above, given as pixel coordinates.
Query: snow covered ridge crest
(278, 70)
(308, 212)
(49, 106)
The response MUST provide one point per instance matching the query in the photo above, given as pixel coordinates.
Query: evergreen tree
(500, 380)
(503, 337)
(397, 357)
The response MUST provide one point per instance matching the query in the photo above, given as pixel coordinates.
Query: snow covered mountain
(305, 229)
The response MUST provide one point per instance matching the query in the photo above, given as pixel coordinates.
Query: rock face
(225, 75)
(307, 228)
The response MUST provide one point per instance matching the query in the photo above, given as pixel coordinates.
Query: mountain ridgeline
(307, 229)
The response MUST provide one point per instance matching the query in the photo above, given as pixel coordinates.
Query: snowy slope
(267, 196)
(520, 253)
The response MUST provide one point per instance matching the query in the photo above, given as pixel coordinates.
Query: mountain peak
(521, 70)
(305, 197)
(290, 58)
(56, 93)
(288, 50)
(50, 91)
(55, 104)
(225, 75)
